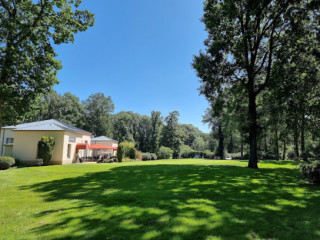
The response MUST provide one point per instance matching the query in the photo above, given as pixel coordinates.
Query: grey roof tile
(103, 138)
(47, 125)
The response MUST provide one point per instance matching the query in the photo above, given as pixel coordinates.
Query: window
(9, 140)
(72, 139)
(69, 151)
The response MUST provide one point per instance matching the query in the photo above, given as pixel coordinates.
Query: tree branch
(20, 35)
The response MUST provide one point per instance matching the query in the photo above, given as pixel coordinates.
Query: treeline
(148, 133)
(260, 74)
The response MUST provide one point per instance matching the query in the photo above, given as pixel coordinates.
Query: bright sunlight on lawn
(169, 199)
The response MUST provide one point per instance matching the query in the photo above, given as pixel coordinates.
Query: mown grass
(169, 199)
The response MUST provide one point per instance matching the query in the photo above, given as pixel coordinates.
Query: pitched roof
(47, 125)
(103, 138)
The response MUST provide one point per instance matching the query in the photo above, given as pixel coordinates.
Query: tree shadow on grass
(181, 202)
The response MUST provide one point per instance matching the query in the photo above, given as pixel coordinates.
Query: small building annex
(21, 141)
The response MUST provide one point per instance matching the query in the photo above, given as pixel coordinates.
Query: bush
(128, 160)
(126, 146)
(165, 153)
(139, 156)
(246, 156)
(291, 154)
(267, 156)
(154, 156)
(146, 156)
(132, 153)
(235, 156)
(6, 162)
(46, 149)
(208, 154)
(311, 171)
(175, 154)
(120, 153)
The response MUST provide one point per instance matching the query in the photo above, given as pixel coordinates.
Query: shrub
(6, 162)
(132, 153)
(165, 153)
(246, 156)
(127, 160)
(291, 154)
(146, 156)
(235, 156)
(208, 154)
(139, 156)
(46, 149)
(311, 171)
(154, 156)
(126, 146)
(120, 153)
(176, 154)
(267, 156)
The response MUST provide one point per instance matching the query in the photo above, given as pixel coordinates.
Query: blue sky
(139, 53)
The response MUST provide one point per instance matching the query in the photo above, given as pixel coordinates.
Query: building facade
(21, 141)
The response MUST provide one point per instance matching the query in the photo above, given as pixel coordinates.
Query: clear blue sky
(139, 53)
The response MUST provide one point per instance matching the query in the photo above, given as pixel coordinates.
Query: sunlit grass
(167, 199)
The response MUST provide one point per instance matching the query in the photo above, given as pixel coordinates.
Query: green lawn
(169, 199)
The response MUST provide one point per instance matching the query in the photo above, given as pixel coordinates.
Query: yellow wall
(26, 145)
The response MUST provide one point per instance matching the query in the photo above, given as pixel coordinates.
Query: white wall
(79, 139)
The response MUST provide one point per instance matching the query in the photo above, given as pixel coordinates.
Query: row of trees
(260, 73)
(95, 115)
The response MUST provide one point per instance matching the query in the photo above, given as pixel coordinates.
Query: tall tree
(243, 37)
(171, 134)
(98, 113)
(29, 30)
(122, 127)
(155, 131)
(65, 108)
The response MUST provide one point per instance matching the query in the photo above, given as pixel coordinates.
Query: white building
(21, 142)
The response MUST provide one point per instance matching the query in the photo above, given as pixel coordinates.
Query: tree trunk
(221, 142)
(296, 142)
(1, 122)
(265, 144)
(241, 146)
(277, 143)
(303, 139)
(253, 158)
(284, 149)
(231, 144)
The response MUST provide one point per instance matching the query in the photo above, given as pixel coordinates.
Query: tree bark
(1, 122)
(303, 138)
(265, 144)
(277, 143)
(221, 142)
(241, 146)
(253, 158)
(296, 142)
(284, 149)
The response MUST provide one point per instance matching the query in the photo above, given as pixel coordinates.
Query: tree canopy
(29, 30)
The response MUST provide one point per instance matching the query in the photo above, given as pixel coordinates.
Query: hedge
(6, 162)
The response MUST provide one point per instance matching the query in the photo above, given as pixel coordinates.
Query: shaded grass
(171, 199)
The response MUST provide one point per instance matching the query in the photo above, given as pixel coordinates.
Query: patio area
(95, 153)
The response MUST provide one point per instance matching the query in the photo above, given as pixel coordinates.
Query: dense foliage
(6, 162)
(165, 153)
(29, 31)
(46, 149)
(260, 72)
(311, 171)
